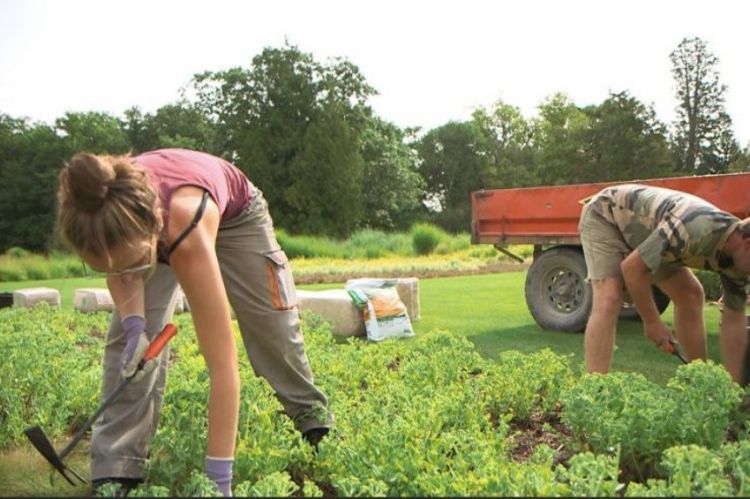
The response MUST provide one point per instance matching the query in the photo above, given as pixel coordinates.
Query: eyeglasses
(146, 268)
(132, 271)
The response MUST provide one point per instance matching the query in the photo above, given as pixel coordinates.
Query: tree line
(305, 133)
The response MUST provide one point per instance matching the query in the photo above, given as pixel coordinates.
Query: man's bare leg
(599, 338)
(686, 293)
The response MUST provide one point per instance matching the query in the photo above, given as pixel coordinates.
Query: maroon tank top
(170, 169)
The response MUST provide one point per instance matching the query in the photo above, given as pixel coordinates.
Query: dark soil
(529, 434)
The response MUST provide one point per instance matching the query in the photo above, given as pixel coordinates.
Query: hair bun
(89, 178)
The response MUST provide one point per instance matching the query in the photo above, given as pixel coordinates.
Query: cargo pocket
(280, 280)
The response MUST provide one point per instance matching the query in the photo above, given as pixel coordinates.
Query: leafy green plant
(50, 370)
(706, 399)
(520, 384)
(590, 475)
(624, 409)
(736, 459)
(150, 491)
(644, 418)
(691, 471)
(199, 485)
(426, 238)
(277, 484)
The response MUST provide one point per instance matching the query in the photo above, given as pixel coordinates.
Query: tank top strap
(189, 228)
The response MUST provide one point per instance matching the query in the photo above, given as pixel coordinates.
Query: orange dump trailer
(557, 294)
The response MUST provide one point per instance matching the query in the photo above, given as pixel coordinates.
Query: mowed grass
(490, 310)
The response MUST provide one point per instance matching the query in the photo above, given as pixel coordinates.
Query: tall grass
(17, 264)
(426, 238)
(371, 244)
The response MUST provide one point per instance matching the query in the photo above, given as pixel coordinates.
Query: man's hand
(135, 348)
(659, 334)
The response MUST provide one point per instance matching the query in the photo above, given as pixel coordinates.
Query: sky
(430, 61)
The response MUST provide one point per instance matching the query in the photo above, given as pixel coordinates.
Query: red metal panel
(549, 215)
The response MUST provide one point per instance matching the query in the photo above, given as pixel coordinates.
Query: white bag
(384, 313)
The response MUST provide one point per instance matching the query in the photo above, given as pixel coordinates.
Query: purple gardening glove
(220, 471)
(135, 347)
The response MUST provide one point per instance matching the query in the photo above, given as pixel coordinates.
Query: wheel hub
(565, 290)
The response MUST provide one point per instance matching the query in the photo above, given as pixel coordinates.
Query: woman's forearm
(223, 411)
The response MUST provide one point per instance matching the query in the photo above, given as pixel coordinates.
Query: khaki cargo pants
(260, 287)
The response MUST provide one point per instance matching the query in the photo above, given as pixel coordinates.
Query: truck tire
(629, 311)
(557, 294)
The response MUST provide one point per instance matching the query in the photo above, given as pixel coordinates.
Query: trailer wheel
(557, 294)
(629, 311)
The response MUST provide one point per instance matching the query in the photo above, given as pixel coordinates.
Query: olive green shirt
(674, 229)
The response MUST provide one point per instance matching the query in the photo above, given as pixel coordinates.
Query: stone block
(336, 306)
(29, 297)
(179, 301)
(93, 300)
(408, 291)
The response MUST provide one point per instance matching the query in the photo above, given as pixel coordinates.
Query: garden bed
(421, 417)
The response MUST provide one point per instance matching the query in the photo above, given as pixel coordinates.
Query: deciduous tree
(703, 140)
(624, 141)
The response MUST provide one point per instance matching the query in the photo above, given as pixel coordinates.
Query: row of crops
(421, 417)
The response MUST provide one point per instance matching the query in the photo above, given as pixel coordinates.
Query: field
(481, 402)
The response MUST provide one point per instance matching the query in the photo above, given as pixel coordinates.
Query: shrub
(308, 246)
(17, 252)
(10, 270)
(425, 238)
(369, 243)
(38, 270)
(451, 244)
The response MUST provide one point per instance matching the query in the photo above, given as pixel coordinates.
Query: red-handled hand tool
(677, 351)
(43, 444)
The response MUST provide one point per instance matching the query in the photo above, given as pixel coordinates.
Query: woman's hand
(136, 345)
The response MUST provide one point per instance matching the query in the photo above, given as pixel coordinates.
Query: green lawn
(490, 310)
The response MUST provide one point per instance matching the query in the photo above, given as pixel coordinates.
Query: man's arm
(733, 341)
(637, 278)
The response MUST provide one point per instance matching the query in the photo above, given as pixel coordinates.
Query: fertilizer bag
(384, 313)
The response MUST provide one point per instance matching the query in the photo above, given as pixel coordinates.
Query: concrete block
(179, 301)
(93, 300)
(29, 297)
(336, 306)
(408, 291)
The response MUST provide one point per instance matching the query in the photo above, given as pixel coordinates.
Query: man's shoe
(118, 487)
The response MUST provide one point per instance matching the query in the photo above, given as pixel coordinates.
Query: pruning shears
(677, 351)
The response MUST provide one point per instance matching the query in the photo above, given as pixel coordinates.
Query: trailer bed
(549, 215)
